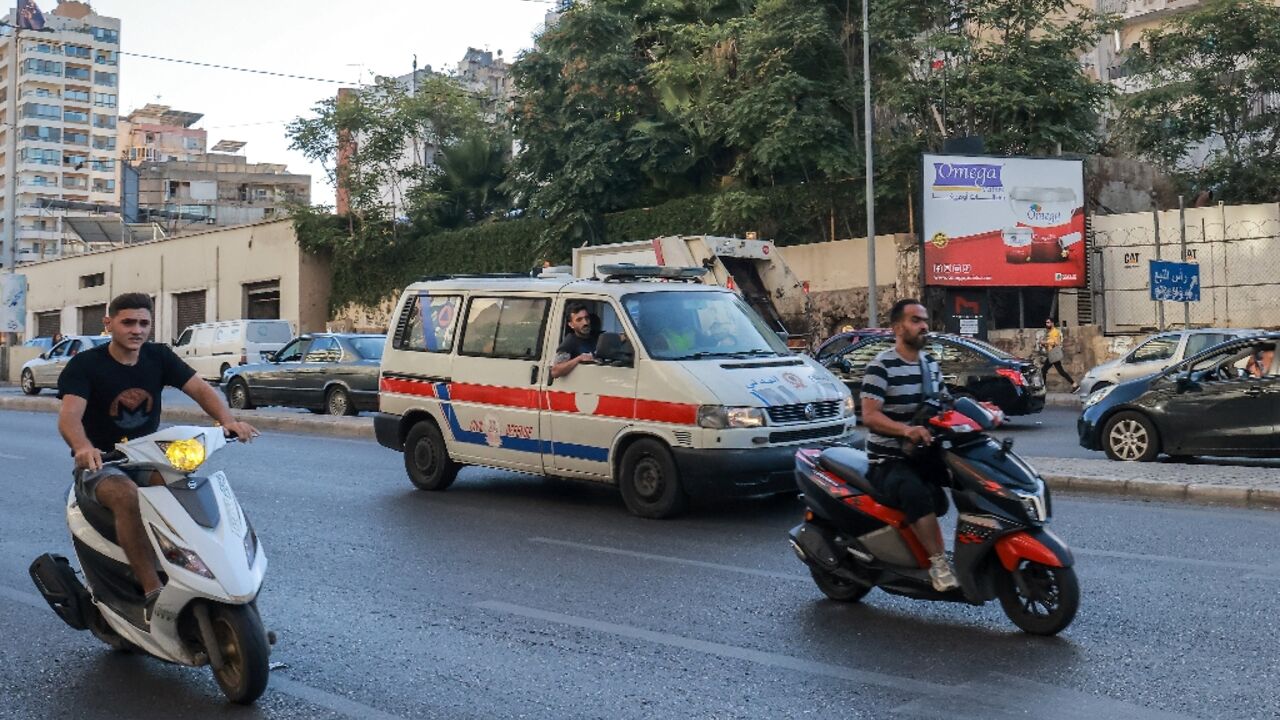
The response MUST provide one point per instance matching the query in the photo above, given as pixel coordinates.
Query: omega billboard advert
(1003, 222)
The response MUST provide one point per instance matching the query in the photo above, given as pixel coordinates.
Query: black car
(840, 342)
(324, 372)
(1224, 401)
(969, 367)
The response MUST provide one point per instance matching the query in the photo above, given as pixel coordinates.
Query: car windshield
(369, 348)
(700, 324)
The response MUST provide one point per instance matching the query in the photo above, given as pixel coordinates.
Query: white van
(691, 394)
(213, 348)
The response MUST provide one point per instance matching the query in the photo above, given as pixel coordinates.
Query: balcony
(1152, 9)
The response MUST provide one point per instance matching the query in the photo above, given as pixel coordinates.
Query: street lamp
(872, 309)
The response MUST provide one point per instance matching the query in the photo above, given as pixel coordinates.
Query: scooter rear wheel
(1050, 600)
(837, 588)
(243, 643)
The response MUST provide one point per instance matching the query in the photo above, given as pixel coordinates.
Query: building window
(104, 186)
(104, 142)
(41, 156)
(42, 67)
(77, 73)
(75, 116)
(94, 280)
(102, 165)
(262, 300)
(104, 78)
(106, 35)
(75, 137)
(106, 57)
(76, 161)
(104, 121)
(76, 51)
(46, 134)
(104, 99)
(74, 95)
(38, 110)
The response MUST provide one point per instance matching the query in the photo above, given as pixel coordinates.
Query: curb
(362, 428)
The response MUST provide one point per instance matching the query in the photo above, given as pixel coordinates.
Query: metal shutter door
(188, 308)
(48, 323)
(91, 319)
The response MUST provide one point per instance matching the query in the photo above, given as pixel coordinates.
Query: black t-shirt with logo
(123, 400)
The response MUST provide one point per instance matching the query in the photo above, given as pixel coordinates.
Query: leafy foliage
(1207, 82)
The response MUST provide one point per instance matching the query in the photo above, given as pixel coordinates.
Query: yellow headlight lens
(185, 455)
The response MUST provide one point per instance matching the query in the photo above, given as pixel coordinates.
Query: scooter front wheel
(838, 588)
(242, 642)
(1044, 602)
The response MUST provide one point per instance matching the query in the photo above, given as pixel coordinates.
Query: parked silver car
(1155, 353)
(43, 372)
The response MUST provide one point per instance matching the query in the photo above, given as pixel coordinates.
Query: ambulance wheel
(649, 481)
(427, 460)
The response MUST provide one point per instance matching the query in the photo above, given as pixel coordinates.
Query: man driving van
(579, 344)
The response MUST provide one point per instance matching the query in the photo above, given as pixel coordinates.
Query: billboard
(1003, 222)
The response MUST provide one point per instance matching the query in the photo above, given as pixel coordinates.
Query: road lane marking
(989, 696)
(5, 456)
(1141, 557)
(669, 559)
(306, 693)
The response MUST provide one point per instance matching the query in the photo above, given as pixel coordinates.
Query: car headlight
(848, 406)
(719, 417)
(184, 455)
(180, 556)
(1097, 396)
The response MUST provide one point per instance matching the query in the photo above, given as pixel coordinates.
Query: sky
(343, 41)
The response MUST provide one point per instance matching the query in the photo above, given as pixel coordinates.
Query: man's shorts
(901, 485)
(89, 481)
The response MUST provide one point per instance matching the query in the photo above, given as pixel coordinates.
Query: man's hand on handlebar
(919, 435)
(242, 431)
(89, 458)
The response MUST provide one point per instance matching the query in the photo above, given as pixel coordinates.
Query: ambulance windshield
(697, 325)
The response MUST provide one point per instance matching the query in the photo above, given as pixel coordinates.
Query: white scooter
(208, 556)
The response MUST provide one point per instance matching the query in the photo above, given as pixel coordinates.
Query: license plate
(1037, 381)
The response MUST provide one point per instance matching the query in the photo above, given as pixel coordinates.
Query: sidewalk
(1203, 482)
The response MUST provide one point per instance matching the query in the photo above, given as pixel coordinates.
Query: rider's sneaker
(941, 574)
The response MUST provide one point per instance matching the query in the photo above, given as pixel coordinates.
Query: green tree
(1206, 84)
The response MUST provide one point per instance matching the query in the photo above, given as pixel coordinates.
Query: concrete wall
(837, 276)
(220, 262)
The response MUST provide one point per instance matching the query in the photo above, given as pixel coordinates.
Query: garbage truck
(751, 266)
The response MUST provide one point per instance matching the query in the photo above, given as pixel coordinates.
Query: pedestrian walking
(1051, 343)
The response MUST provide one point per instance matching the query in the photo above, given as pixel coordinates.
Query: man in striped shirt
(892, 392)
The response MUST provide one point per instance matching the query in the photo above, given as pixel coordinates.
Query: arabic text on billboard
(1012, 222)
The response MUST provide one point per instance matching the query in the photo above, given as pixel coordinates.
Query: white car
(1154, 354)
(42, 372)
(213, 348)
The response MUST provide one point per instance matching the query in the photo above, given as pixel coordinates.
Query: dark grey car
(334, 373)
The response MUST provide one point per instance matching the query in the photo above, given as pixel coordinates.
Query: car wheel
(338, 402)
(222, 371)
(426, 458)
(1130, 437)
(238, 395)
(649, 481)
(29, 383)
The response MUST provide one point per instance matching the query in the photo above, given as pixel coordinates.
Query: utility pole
(11, 160)
(872, 302)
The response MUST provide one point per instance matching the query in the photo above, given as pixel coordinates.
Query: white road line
(5, 456)
(315, 696)
(675, 560)
(986, 698)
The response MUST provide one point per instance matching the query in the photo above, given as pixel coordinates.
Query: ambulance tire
(426, 459)
(649, 481)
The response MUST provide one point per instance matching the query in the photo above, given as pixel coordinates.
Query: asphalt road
(513, 596)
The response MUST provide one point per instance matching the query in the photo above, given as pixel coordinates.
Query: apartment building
(66, 121)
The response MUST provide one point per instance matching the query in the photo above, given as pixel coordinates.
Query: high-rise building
(66, 96)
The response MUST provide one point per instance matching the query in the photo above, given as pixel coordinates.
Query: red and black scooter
(852, 543)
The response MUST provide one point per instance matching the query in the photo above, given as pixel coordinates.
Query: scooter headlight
(184, 455)
(1034, 504)
(182, 557)
(250, 542)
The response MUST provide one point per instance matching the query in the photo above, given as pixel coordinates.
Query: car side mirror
(610, 349)
(1184, 381)
(269, 355)
(784, 337)
(44, 355)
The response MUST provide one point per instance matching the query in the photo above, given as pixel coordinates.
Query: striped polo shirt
(896, 382)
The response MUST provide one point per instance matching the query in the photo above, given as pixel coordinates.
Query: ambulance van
(690, 393)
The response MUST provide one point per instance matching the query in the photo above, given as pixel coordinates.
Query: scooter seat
(849, 465)
(97, 515)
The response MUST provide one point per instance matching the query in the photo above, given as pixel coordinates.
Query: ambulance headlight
(719, 417)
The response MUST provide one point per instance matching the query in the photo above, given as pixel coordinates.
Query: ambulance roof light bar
(625, 272)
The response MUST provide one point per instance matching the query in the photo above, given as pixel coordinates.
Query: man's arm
(71, 427)
(564, 367)
(211, 402)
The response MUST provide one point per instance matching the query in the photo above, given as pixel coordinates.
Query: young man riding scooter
(111, 393)
(893, 390)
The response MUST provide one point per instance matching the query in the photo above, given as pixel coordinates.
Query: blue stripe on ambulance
(532, 445)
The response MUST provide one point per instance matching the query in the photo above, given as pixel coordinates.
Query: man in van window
(579, 344)
(111, 393)
(893, 390)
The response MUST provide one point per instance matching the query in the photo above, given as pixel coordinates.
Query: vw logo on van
(810, 411)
